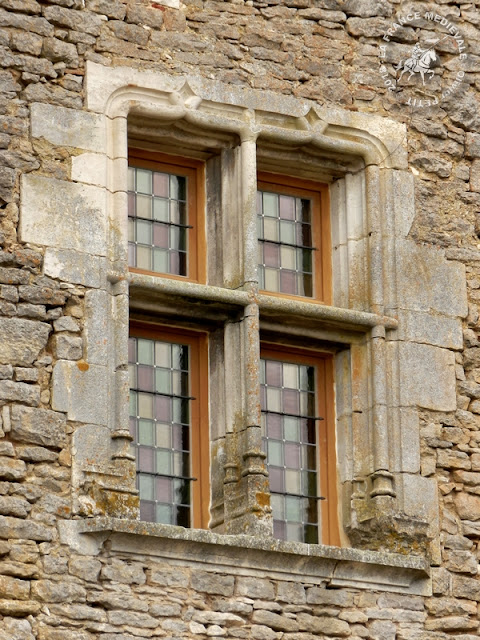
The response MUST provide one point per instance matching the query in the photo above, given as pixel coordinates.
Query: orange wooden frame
(199, 430)
(321, 232)
(194, 170)
(325, 431)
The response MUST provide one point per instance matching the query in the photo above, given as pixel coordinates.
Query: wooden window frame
(199, 428)
(327, 456)
(194, 170)
(321, 230)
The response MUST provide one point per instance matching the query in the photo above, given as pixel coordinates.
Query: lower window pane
(162, 444)
(289, 431)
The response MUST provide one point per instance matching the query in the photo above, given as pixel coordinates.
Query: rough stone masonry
(68, 574)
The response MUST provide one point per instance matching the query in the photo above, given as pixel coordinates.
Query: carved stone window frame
(378, 347)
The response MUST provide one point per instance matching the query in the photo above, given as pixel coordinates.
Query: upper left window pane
(163, 221)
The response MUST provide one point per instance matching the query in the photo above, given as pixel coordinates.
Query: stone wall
(61, 583)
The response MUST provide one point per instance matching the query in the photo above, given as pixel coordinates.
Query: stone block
(427, 377)
(429, 283)
(67, 323)
(68, 127)
(62, 591)
(90, 168)
(21, 340)
(255, 588)
(67, 347)
(208, 582)
(26, 374)
(468, 588)
(97, 318)
(323, 625)
(84, 568)
(75, 266)
(11, 506)
(14, 588)
(38, 426)
(328, 597)
(19, 392)
(61, 214)
(291, 592)
(24, 529)
(124, 572)
(435, 329)
(467, 505)
(420, 498)
(274, 621)
(475, 176)
(74, 386)
(12, 469)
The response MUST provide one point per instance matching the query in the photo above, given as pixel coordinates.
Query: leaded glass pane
(285, 243)
(160, 426)
(290, 442)
(157, 221)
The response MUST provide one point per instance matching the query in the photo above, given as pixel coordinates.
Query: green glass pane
(290, 375)
(287, 232)
(133, 404)
(144, 181)
(272, 280)
(181, 464)
(291, 429)
(146, 432)
(278, 507)
(144, 231)
(146, 487)
(293, 507)
(164, 461)
(294, 532)
(145, 351)
(259, 227)
(131, 179)
(144, 258)
(261, 278)
(270, 229)
(310, 534)
(304, 258)
(160, 260)
(144, 206)
(164, 514)
(275, 453)
(287, 258)
(293, 481)
(162, 354)
(160, 209)
(163, 381)
(262, 371)
(163, 435)
(145, 405)
(274, 399)
(182, 491)
(309, 482)
(270, 205)
(132, 375)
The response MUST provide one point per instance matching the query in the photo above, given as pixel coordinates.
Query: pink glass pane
(277, 482)
(291, 401)
(163, 408)
(160, 236)
(292, 456)
(271, 255)
(274, 426)
(288, 282)
(145, 378)
(160, 184)
(287, 207)
(145, 459)
(147, 511)
(163, 489)
(131, 204)
(273, 373)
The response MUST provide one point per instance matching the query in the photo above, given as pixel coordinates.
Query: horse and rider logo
(419, 62)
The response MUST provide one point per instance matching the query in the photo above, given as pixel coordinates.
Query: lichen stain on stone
(263, 499)
(82, 365)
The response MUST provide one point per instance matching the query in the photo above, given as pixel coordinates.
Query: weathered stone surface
(133, 618)
(67, 347)
(123, 572)
(255, 588)
(74, 266)
(427, 377)
(74, 384)
(19, 392)
(274, 621)
(58, 51)
(60, 214)
(11, 469)
(85, 568)
(62, 591)
(21, 340)
(97, 313)
(25, 529)
(207, 582)
(13, 588)
(36, 454)
(39, 426)
(467, 505)
(68, 127)
(322, 624)
(11, 506)
(15, 629)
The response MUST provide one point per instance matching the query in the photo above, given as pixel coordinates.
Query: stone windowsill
(332, 567)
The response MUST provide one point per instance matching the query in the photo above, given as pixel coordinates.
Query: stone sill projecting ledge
(331, 567)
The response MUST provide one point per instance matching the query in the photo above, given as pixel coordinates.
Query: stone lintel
(251, 555)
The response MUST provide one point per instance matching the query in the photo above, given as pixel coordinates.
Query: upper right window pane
(293, 253)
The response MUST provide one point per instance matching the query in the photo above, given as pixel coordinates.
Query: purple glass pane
(292, 455)
(180, 434)
(163, 489)
(288, 282)
(287, 207)
(131, 204)
(277, 480)
(279, 530)
(145, 459)
(259, 202)
(271, 255)
(132, 427)
(163, 408)
(147, 511)
(132, 350)
(273, 373)
(291, 402)
(145, 378)
(132, 255)
(175, 262)
(263, 394)
(274, 426)
(160, 184)
(160, 236)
